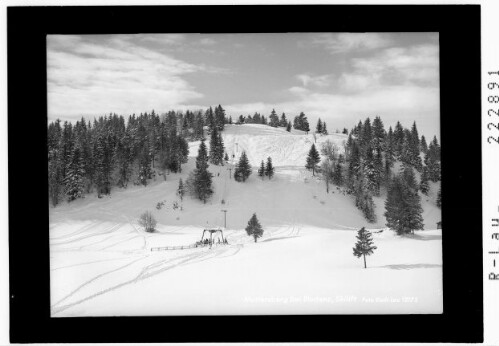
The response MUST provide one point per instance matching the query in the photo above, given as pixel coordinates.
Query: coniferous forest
(113, 152)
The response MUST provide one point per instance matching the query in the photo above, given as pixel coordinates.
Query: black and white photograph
(244, 174)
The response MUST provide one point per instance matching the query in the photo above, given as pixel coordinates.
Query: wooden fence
(182, 247)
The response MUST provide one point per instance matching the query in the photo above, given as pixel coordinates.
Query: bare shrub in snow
(147, 221)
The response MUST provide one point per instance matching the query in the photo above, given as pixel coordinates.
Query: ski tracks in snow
(76, 297)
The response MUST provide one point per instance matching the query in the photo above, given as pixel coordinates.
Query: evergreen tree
(254, 229)
(261, 170)
(313, 159)
(423, 184)
(439, 197)
(415, 137)
(371, 173)
(269, 168)
(198, 126)
(398, 138)
(403, 210)
(423, 145)
(409, 177)
(182, 152)
(378, 131)
(219, 118)
(304, 122)
(55, 175)
(288, 127)
(124, 159)
(226, 157)
(365, 137)
(75, 173)
(283, 122)
(273, 119)
(202, 177)
(405, 154)
(145, 171)
(318, 128)
(209, 118)
(389, 155)
(364, 246)
(103, 165)
(216, 147)
(338, 174)
(324, 128)
(364, 199)
(432, 161)
(301, 123)
(257, 119)
(354, 165)
(415, 149)
(243, 168)
(181, 189)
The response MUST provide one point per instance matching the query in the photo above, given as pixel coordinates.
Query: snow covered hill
(101, 258)
(261, 141)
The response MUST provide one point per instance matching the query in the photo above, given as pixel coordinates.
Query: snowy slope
(100, 257)
(261, 141)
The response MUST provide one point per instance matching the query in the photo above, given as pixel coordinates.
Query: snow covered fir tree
(364, 246)
(254, 229)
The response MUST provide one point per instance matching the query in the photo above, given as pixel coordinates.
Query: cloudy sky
(339, 77)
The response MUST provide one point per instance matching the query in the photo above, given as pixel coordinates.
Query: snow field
(101, 263)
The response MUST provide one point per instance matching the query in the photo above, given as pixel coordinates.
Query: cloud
(395, 83)
(404, 103)
(419, 64)
(318, 81)
(416, 65)
(115, 74)
(336, 43)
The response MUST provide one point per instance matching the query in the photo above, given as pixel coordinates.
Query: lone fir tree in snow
(243, 169)
(288, 127)
(313, 159)
(269, 168)
(439, 197)
(364, 246)
(254, 228)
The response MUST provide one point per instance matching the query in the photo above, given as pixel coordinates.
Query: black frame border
(460, 100)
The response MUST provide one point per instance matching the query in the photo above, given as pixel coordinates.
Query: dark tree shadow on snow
(411, 266)
(279, 238)
(422, 236)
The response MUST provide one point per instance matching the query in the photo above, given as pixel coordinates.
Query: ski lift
(213, 231)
